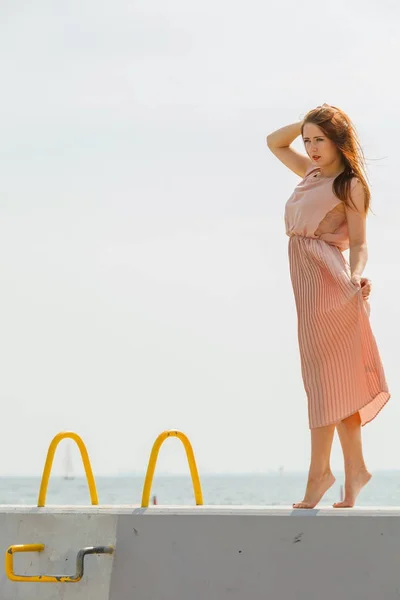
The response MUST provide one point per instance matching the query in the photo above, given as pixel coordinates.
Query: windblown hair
(337, 126)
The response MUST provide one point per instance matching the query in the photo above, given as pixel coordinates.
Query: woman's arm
(279, 143)
(356, 222)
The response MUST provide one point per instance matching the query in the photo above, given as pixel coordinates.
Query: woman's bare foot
(316, 488)
(353, 486)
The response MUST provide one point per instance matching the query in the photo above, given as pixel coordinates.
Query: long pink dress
(340, 362)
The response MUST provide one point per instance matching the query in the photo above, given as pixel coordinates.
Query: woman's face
(322, 151)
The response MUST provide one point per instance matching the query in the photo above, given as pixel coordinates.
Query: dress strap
(311, 170)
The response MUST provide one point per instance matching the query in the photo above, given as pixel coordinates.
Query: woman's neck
(331, 170)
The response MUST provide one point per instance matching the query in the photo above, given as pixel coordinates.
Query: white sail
(68, 469)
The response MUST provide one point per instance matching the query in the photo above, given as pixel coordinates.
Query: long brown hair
(337, 126)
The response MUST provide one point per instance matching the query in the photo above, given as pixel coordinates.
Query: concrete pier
(206, 553)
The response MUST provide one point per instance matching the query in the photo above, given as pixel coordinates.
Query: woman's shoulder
(355, 181)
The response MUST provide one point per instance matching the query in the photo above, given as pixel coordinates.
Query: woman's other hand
(363, 283)
(366, 286)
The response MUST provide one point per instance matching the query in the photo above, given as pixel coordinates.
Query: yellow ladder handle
(153, 460)
(9, 564)
(49, 463)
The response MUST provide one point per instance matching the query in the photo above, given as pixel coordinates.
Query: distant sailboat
(68, 472)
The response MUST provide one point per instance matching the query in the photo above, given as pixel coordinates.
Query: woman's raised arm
(279, 143)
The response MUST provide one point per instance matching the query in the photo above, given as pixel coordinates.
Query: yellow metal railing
(49, 463)
(153, 460)
(9, 564)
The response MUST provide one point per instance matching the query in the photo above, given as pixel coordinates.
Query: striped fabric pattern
(340, 362)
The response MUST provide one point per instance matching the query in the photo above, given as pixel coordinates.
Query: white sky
(145, 282)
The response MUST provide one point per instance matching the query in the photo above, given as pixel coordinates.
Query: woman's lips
(316, 157)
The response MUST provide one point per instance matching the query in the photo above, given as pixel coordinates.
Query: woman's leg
(356, 473)
(320, 476)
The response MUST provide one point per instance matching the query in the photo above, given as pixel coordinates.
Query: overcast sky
(145, 282)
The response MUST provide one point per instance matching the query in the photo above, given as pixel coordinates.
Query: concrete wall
(63, 534)
(206, 553)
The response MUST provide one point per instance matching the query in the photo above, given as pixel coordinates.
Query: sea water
(247, 489)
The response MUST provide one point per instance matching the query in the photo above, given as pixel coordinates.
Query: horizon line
(206, 474)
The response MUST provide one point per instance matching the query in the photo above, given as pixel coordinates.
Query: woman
(341, 368)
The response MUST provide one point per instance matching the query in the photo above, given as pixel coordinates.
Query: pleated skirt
(340, 362)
